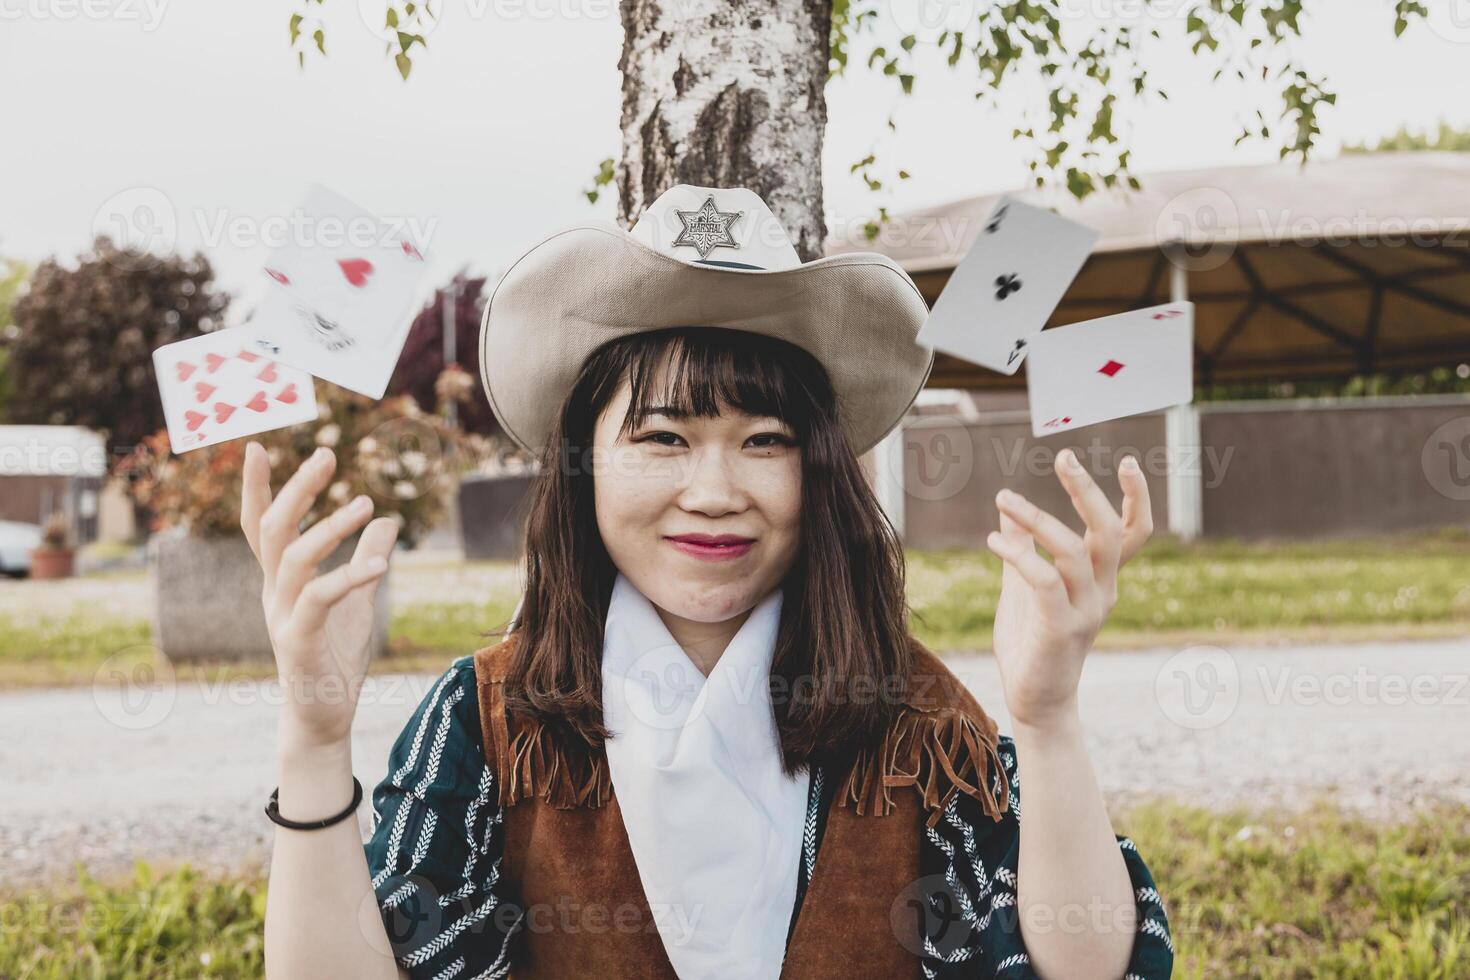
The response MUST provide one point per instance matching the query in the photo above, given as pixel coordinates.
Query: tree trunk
(727, 93)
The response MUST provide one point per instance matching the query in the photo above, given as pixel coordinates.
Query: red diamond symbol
(1111, 368)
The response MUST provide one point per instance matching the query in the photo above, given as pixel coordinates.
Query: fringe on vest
(541, 766)
(939, 753)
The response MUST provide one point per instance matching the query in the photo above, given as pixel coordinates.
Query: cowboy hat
(700, 256)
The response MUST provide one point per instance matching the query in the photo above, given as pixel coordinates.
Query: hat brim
(857, 313)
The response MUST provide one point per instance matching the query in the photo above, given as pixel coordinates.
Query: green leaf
(320, 37)
(391, 21)
(908, 42)
(295, 28)
(907, 82)
(404, 64)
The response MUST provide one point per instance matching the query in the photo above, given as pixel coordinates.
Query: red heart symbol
(183, 369)
(202, 390)
(223, 411)
(245, 355)
(287, 394)
(356, 270)
(193, 420)
(279, 277)
(214, 362)
(268, 373)
(257, 403)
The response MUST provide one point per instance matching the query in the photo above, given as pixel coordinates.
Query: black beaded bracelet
(273, 811)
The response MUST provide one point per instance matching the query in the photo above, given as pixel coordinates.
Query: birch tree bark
(727, 93)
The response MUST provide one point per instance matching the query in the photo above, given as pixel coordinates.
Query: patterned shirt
(437, 837)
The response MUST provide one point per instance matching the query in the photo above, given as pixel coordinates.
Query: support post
(1184, 485)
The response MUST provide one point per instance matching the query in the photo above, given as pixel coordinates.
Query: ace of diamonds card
(1111, 367)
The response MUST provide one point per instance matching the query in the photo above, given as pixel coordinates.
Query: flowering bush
(402, 457)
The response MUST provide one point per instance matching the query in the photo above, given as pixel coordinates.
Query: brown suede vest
(568, 860)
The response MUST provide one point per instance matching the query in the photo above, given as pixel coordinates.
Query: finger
(325, 591)
(255, 493)
(377, 539)
(316, 601)
(300, 559)
(1065, 546)
(281, 522)
(1045, 580)
(1104, 537)
(1012, 531)
(1138, 514)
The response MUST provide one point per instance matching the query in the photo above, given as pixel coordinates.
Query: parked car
(16, 541)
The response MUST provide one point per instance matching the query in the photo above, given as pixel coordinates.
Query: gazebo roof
(1358, 263)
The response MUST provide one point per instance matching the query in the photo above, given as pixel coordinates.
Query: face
(701, 514)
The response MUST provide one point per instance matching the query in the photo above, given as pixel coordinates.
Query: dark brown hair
(841, 662)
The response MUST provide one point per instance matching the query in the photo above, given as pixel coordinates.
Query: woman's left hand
(1049, 614)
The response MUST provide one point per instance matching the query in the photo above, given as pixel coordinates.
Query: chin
(710, 601)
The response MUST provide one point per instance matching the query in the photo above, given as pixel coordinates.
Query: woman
(709, 746)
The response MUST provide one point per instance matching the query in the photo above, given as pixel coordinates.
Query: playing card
(1111, 367)
(214, 389)
(348, 266)
(339, 308)
(291, 329)
(1007, 285)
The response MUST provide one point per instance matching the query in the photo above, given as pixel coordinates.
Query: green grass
(1344, 590)
(1316, 894)
(1248, 894)
(74, 650)
(1212, 591)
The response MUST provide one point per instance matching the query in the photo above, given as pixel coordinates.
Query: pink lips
(712, 547)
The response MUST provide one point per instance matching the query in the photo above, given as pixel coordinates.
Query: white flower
(415, 462)
(1244, 833)
(338, 491)
(367, 444)
(323, 410)
(329, 434)
(205, 958)
(405, 490)
(274, 455)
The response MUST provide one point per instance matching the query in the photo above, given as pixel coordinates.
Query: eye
(771, 440)
(661, 438)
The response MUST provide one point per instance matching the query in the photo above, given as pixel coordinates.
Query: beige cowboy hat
(700, 256)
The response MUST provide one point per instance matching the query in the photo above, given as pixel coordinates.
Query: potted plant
(207, 581)
(55, 556)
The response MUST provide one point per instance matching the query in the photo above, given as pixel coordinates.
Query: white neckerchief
(714, 823)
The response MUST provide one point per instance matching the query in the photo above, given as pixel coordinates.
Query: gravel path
(182, 773)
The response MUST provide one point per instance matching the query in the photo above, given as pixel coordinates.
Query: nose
(710, 485)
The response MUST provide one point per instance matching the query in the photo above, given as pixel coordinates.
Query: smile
(712, 547)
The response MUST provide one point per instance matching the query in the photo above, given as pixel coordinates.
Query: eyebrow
(668, 411)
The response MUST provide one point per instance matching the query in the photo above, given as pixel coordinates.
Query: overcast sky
(195, 113)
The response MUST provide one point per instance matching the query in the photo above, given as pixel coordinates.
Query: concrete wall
(1268, 469)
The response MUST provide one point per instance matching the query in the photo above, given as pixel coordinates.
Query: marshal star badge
(708, 227)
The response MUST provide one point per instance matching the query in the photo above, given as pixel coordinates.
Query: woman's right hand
(320, 625)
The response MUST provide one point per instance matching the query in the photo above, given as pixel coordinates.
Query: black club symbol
(1005, 285)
